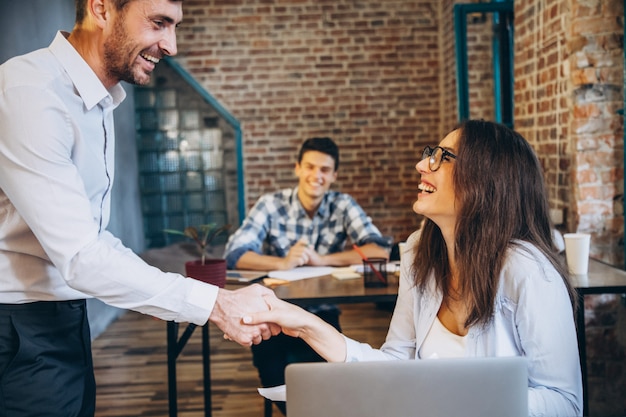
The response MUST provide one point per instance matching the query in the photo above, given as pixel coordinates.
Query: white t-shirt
(442, 343)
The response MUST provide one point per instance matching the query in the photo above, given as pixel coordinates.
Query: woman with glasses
(482, 276)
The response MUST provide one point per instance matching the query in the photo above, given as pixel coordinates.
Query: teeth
(426, 188)
(150, 58)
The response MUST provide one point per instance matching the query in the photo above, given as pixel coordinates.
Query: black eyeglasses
(436, 155)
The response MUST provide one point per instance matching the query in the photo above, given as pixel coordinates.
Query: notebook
(467, 387)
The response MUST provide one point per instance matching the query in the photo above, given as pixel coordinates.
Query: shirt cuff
(200, 302)
(353, 350)
(233, 257)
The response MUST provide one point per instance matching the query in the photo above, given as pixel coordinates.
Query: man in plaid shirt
(306, 225)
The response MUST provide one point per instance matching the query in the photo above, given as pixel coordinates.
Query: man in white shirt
(56, 171)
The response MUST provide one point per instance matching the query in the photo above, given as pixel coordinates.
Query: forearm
(295, 321)
(325, 340)
(372, 250)
(254, 261)
(352, 257)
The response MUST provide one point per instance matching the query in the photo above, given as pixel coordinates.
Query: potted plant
(210, 270)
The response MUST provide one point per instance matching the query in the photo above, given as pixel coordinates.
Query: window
(188, 157)
(484, 60)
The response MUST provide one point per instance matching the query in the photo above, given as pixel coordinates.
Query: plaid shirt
(277, 221)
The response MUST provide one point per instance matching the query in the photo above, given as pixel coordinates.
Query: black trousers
(46, 367)
(272, 356)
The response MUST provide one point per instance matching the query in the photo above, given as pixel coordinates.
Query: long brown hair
(501, 196)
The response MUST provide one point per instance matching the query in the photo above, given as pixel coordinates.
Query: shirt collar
(297, 205)
(87, 83)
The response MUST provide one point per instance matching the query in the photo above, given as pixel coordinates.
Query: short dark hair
(323, 145)
(81, 8)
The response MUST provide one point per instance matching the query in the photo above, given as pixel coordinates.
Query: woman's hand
(297, 322)
(289, 317)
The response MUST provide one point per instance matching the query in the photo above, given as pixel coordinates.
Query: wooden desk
(601, 279)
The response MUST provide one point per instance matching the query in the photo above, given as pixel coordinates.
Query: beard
(119, 56)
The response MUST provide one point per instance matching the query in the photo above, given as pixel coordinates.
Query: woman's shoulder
(525, 263)
(526, 253)
(413, 238)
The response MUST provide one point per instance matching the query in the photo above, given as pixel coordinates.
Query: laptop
(459, 387)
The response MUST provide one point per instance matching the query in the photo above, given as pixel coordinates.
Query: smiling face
(138, 37)
(436, 196)
(316, 173)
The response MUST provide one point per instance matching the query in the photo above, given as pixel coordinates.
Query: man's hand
(232, 306)
(298, 255)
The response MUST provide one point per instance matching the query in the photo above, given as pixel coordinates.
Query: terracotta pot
(213, 271)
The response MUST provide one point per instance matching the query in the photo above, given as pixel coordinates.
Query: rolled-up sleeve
(250, 236)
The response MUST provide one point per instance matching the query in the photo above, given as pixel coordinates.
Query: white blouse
(533, 318)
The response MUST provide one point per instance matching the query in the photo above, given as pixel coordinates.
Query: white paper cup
(577, 252)
(401, 248)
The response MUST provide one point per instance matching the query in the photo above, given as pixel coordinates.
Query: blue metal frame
(503, 69)
(230, 119)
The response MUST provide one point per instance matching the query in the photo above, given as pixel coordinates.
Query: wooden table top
(327, 289)
(601, 279)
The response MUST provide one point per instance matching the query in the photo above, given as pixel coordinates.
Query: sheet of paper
(278, 393)
(301, 272)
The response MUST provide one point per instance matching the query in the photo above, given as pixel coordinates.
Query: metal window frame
(502, 49)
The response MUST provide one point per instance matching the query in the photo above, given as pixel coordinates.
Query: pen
(366, 260)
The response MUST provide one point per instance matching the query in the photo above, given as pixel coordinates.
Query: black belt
(44, 306)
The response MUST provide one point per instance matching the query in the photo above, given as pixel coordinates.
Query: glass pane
(480, 66)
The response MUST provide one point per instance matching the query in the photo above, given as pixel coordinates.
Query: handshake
(254, 313)
(232, 308)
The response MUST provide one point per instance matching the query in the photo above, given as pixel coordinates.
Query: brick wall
(597, 56)
(542, 92)
(364, 73)
(568, 86)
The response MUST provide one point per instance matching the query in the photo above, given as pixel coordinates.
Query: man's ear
(97, 9)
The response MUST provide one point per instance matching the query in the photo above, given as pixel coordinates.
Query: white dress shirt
(533, 318)
(57, 151)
